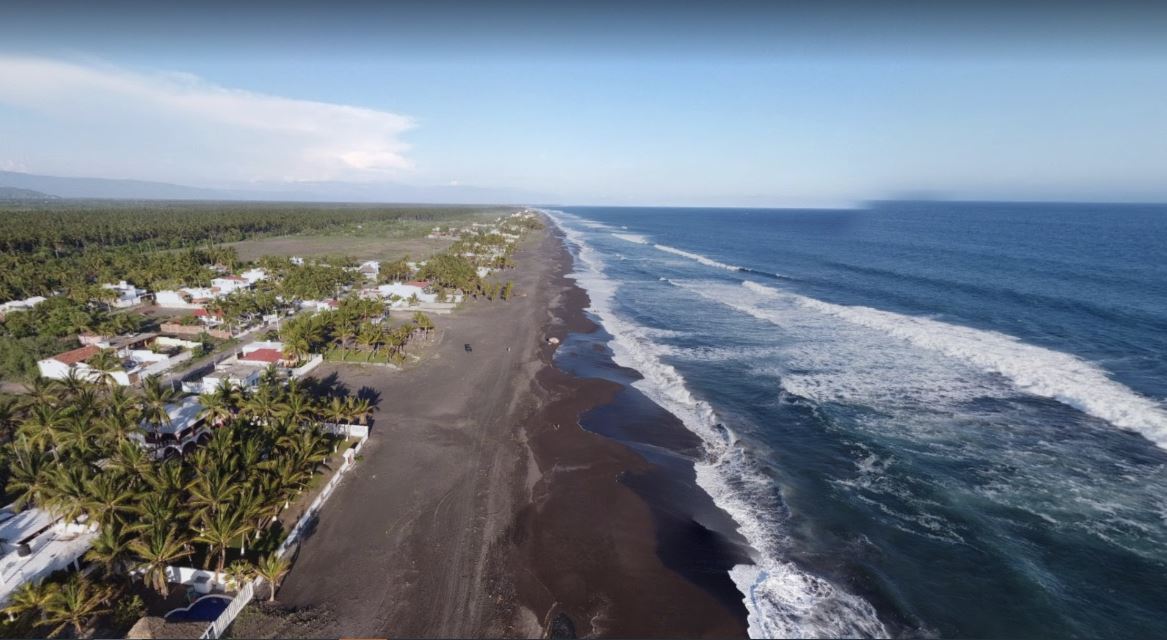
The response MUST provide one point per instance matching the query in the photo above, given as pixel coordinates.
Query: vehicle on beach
(467, 347)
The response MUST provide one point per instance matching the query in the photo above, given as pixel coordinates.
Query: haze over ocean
(925, 417)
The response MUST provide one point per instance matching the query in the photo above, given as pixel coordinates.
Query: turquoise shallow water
(926, 418)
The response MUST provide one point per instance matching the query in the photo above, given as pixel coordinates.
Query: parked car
(467, 347)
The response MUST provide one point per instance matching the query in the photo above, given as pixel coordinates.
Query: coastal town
(163, 468)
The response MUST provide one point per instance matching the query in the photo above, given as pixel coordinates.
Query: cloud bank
(87, 119)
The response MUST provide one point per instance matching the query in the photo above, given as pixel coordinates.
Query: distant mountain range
(371, 192)
(13, 193)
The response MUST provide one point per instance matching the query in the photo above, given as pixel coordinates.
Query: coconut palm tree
(156, 396)
(362, 409)
(272, 568)
(211, 491)
(160, 547)
(239, 572)
(41, 429)
(29, 472)
(77, 602)
(110, 499)
(218, 529)
(31, 599)
(110, 550)
(106, 362)
(219, 405)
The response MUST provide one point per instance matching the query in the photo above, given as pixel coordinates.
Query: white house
(229, 284)
(179, 434)
(370, 269)
(254, 275)
(238, 374)
(138, 360)
(406, 292)
(20, 305)
(34, 543)
(185, 298)
(128, 294)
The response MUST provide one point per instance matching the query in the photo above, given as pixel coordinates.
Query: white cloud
(104, 121)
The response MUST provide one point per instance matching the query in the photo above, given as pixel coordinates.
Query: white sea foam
(634, 238)
(782, 600)
(1032, 369)
(696, 257)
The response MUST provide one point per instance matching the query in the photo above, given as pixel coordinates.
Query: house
(227, 285)
(405, 292)
(141, 355)
(370, 269)
(35, 543)
(240, 375)
(20, 305)
(128, 294)
(209, 318)
(320, 305)
(62, 365)
(185, 298)
(184, 428)
(254, 275)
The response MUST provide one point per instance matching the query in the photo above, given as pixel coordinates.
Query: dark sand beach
(481, 508)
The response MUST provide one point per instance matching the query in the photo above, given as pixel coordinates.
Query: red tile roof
(419, 283)
(77, 355)
(263, 355)
(199, 313)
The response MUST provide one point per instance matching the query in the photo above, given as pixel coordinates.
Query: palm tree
(155, 399)
(219, 405)
(110, 498)
(337, 410)
(297, 408)
(29, 475)
(41, 393)
(239, 572)
(76, 603)
(218, 530)
(158, 549)
(362, 409)
(110, 550)
(106, 362)
(273, 568)
(211, 490)
(42, 427)
(31, 599)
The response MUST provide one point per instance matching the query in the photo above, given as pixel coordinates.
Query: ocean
(926, 419)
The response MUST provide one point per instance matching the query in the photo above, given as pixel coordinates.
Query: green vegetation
(357, 328)
(77, 451)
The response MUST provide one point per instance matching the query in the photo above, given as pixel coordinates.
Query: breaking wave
(634, 238)
(781, 599)
(1035, 370)
(696, 257)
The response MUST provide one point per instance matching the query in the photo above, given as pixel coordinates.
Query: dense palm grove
(74, 450)
(56, 246)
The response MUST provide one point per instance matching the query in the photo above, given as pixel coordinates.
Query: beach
(482, 508)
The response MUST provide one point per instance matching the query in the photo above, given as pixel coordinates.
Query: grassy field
(387, 240)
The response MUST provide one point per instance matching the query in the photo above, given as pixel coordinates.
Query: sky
(728, 104)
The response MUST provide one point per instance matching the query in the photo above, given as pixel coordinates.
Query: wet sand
(481, 508)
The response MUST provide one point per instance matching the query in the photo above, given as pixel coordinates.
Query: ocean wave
(1035, 370)
(634, 238)
(696, 257)
(781, 599)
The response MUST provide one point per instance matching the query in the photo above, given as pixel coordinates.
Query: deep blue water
(926, 418)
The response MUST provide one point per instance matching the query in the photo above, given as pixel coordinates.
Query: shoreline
(610, 536)
(482, 508)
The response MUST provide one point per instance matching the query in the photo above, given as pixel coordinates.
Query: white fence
(245, 594)
(347, 430)
(225, 619)
(302, 370)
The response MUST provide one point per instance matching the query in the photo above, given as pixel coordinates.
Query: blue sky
(784, 109)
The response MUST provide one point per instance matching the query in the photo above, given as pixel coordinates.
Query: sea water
(925, 418)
